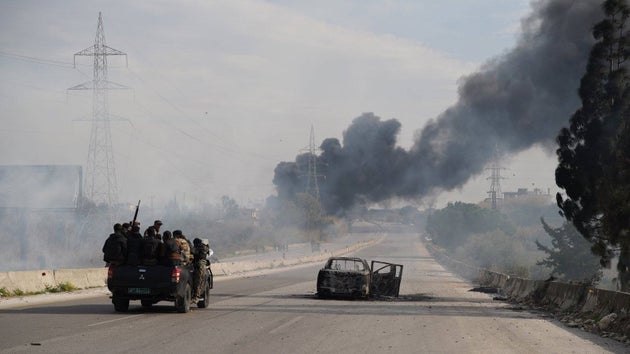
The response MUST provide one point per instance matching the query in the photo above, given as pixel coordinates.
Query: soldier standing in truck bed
(169, 253)
(115, 247)
(134, 246)
(184, 246)
(153, 230)
(151, 245)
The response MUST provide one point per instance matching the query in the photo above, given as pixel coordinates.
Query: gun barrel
(135, 215)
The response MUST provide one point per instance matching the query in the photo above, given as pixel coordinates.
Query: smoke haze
(514, 101)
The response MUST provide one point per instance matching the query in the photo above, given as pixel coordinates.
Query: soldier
(153, 230)
(184, 246)
(170, 254)
(126, 228)
(115, 247)
(201, 250)
(134, 246)
(151, 246)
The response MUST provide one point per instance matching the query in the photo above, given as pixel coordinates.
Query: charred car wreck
(354, 277)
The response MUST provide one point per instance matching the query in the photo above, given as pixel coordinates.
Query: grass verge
(59, 288)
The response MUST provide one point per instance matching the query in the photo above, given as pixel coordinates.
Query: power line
(225, 147)
(37, 60)
(43, 61)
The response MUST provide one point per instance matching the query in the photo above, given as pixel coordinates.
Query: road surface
(278, 313)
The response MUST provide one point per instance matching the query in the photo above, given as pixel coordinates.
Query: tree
(230, 207)
(569, 256)
(593, 151)
(450, 227)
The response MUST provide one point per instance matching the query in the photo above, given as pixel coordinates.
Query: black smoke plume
(515, 101)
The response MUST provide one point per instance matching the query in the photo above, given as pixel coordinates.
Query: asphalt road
(278, 313)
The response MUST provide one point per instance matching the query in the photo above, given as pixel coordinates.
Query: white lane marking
(284, 325)
(114, 320)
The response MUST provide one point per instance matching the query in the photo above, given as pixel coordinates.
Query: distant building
(522, 194)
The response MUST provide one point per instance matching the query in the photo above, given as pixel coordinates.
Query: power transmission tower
(100, 177)
(494, 194)
(312, 186)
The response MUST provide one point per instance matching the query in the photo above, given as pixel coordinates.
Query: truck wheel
(146, 303)
(120, 305)
(182, 303)
(203, 303)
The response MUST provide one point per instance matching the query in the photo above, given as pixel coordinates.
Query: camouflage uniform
(184, 246)
(200, 252)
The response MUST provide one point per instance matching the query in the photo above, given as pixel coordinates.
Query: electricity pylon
(312, 186)
(495, 195)
(100, 177)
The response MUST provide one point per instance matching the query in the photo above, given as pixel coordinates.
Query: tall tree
(569, 256)
(230, 207)
(592, 152)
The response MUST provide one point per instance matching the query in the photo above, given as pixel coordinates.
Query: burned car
(353, 277)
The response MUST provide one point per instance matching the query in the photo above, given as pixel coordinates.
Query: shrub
(61, 287)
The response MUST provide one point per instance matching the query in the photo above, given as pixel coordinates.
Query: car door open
(385, 278)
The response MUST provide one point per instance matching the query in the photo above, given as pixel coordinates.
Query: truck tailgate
(141, 277)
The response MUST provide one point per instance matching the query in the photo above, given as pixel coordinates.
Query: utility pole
(494, 194)
(100, 176)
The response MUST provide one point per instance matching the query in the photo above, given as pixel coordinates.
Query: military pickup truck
(154, 283)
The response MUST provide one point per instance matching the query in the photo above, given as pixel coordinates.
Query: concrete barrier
(39, 280)
(603, 302)
(560, 296)
(27, 281)
(82, 278)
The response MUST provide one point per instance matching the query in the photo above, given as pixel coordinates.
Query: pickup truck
(153, 283)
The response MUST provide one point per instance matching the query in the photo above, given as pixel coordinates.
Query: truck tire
(203, 303)
(146, 303)
(120, 305)
(182, 303)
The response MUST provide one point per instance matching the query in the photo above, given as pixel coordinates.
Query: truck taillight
(110, 272)
(175, 275)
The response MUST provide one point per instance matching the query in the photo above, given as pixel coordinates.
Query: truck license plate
(141, 291)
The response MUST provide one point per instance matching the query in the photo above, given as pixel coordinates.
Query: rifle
(135, 215)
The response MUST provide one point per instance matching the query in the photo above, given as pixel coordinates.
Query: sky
(222, 91)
